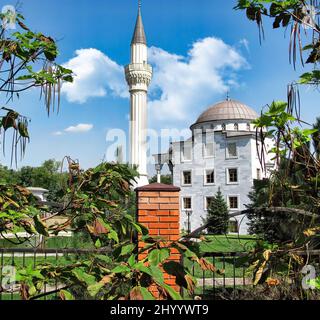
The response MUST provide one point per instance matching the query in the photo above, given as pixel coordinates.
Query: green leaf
(40, 226)
(127, 249)
(112, 235)
(157, 256)
(156, 274)
(93, 289)
(132, 260)
(82, 276)
(98, 244)
(277, 107)
(146, 294)
(66, 295)
(121, 269)
(173, 294)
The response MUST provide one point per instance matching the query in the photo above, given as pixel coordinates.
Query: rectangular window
(209, 179)
(208, 149)
(187, 178)
(232, 150)
(186, 152)
(232, 175)
(233, 202)
(187, 203)
(208, 202)
(233, 226)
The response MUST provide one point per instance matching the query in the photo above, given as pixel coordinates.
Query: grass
(76, 241)
(230, 266)
(227, 243)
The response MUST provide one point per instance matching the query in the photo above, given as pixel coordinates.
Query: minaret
(138, 75)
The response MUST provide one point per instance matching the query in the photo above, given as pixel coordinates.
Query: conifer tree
(218, 214)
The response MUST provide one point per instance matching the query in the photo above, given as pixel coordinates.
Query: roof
(227, 110)
(139, 35)
(158, 187)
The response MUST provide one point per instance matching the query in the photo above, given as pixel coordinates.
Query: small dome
(227, 110)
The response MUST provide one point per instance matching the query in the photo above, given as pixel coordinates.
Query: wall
(158, 210)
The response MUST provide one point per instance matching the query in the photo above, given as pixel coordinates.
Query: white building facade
(221, 153)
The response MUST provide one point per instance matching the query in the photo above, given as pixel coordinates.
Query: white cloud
(186, 85)
(96, 75)
(79, 128)
(182, 86)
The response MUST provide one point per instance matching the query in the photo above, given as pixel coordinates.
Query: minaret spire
(138, 75)
(139, 35)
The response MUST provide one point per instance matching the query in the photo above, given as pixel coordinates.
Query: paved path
(220, 282)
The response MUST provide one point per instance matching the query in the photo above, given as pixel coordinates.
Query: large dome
(227, 110)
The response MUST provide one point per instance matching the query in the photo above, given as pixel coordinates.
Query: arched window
(236, 127)
(223, 126)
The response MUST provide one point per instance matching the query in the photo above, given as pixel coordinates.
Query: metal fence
(11, 258)
(230, 273)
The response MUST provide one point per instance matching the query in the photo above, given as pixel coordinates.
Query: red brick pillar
(158, 210)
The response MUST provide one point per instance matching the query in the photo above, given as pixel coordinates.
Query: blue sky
(203, 49)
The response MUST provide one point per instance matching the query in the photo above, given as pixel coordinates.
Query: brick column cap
(158, 187)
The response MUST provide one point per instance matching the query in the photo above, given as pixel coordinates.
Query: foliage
(295, 182)
(21, 53)
(47, 176)
(165, 179)
(96, 204)
(298, 14)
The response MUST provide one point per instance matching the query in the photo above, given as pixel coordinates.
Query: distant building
(40, 193)
(221, 153)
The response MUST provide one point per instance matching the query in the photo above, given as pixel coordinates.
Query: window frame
(204, 151)
(183, 159)
(182, 203)
(182, 178)
(228, 175)
(238, 201)
(236, 222)
(205, 177)
(228, 156)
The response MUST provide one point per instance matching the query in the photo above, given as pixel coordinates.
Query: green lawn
(58, 242)
(227, 243)
(231, 266)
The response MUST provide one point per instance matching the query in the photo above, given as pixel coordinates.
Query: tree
(27, 60)
(218, 214)
(296, 182)
(47, 176)
(165, 179)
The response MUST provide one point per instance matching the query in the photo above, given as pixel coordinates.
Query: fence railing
(230, 272)
(232, 275)
(11, 258)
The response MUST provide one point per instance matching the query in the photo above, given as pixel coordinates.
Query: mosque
(221, 154)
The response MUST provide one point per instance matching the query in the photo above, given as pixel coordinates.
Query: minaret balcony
(138, 73)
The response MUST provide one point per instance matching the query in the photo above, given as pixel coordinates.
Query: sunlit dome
(227, 110)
